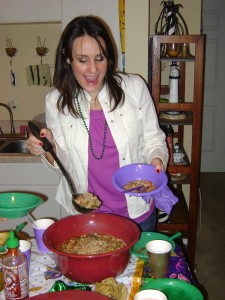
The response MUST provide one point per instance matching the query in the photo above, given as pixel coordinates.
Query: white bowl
(150, 295)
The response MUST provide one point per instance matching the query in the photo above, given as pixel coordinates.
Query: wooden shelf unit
(183, 217)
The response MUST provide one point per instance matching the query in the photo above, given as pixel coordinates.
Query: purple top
(100, 171)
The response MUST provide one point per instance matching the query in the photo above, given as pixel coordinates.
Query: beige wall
(140, 16)
(29, 99)
(136, 36)
(191, 12)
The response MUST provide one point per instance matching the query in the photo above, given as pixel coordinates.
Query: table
(135, 274)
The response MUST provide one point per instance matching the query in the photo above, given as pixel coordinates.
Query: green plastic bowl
(15, 205)
(139, 248)
(175, 289)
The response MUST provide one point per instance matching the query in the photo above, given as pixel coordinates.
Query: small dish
(67, 295)
(15, 205)
(139, 172)
(175, 289)
(139, 249)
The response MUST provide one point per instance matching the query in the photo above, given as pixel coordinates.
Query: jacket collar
(101, 94)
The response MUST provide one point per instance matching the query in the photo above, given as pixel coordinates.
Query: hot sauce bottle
(15, 270)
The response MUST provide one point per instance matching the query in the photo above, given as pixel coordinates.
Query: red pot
(92, 268)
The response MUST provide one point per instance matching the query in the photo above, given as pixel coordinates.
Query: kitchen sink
(15, 146)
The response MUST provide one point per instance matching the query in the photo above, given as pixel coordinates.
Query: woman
(99, 120)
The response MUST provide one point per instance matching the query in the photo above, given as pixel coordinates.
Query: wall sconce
(41, 49)
(10, 50)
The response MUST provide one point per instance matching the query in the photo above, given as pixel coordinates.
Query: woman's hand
(158, 164)
(35, 145)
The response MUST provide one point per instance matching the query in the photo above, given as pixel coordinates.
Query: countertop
(19, 158)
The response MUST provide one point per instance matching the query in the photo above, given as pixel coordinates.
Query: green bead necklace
(89, 135)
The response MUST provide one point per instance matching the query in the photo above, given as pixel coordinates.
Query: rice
(93, 243)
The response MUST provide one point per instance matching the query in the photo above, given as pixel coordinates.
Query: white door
(213, 138)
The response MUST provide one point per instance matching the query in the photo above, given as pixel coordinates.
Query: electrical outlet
(22, 129)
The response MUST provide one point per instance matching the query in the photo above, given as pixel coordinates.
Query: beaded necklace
(89, 135)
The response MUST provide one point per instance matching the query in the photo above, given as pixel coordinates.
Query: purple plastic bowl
(139, 172)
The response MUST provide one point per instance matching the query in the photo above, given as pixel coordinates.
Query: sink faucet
(11, 117)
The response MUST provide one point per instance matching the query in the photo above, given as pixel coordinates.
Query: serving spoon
(47, 146)
(177, 234)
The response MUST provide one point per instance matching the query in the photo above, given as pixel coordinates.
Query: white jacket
(134, 127)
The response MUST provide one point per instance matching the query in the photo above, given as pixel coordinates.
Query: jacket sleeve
(53, 123)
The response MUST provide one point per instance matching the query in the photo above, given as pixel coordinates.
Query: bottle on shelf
(14, 266)
(173, 83)
(169, 139)
(162, 216)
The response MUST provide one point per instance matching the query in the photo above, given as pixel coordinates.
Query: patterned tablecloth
(135, 274)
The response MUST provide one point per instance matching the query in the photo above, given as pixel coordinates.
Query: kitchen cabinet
(184, 214)
(35, 178)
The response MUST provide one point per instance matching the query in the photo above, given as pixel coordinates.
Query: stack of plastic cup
(25, 248)
(39, 227)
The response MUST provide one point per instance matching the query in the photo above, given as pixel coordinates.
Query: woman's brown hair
(64, 80)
